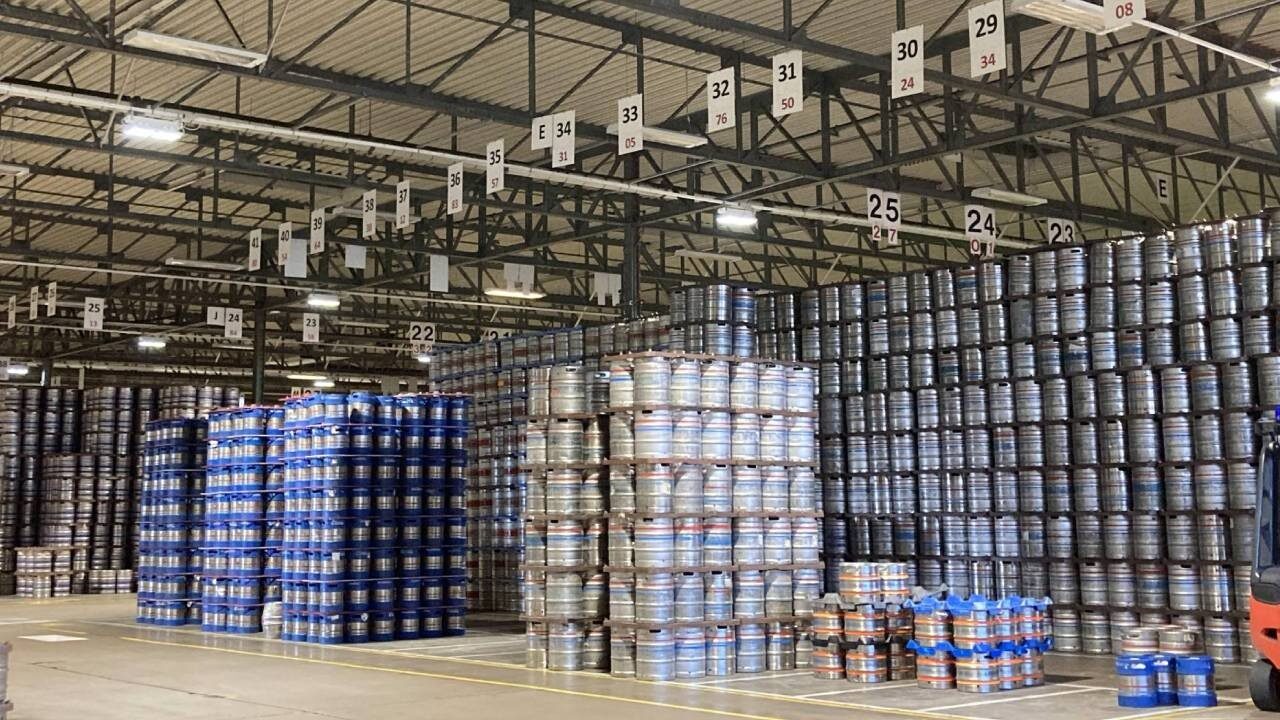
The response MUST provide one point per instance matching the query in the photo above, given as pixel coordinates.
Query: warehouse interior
(770, 359)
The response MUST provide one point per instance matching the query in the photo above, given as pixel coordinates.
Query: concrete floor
(107, 668)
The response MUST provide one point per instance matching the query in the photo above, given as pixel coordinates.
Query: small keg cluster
(1074, 422)
(171, 522)
(45, 572)
(980, 645)
(1150, 680)
(244, 513)
(496, 374)
(716, 319)
(374, 506)
(861, 633)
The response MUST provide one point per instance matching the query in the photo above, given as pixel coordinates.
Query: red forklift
(1264, 599)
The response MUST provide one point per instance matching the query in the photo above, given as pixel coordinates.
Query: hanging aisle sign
(215, 316)
(33, 305)
(13, 312)
(284, 242)
(94, 312)
(884, 210)
(1061, 231)
(788, 83)
(454, 181)
(908, 62)
(422, 336)
(981, 231)
(563, 138)
(439, 273)
(722, 100)
(255, 250)
(402, 205)
(310, 327)
(495, 166)
(631, 124)
(369, 214)
(315, 243)
(986, 39)
(233, 324)
(51, 299)
(540, 133)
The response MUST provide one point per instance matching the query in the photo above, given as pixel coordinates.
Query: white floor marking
(519, 651)
(459, 646)
(51, 638)
(19, 621)
(748, 676)
(1073, 691)
(1181, 711)
(868, 688)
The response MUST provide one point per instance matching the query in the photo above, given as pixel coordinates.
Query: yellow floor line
(459, 678)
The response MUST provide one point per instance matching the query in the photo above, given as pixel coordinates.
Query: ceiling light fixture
(305, 377)
(735, 218)
(424, 357)
(1076, 14)
(145, 127)
(1008, 197)
(18, 370)
(514, 294)
(1273, 91)
(322, 383)
(148, 342)
(707, 255)
(202, 264)
(17, 172)
(323, 301)
(362, 324)
(173, 45)
(662, 136)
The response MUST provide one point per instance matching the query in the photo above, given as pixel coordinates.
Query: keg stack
(713, 540)
(375, 517)
(171, 522)
(48, 571)
(244, 512)
(716, 319)
(564, 589)
(84, 505)
(496, 375)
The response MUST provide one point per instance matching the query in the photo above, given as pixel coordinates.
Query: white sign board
(1164, 190)
(310, 327)
(986, 39)
(908, 62)
(563, 139)
(422, 336)
(439, 273)
(631, 124)
(980, 230)
(402, 204)
(884, 210)
(495, 166)
(13, 312)
(369, 214)
(94, 312)
(540, 132)
(722, 101)
(315, 243)
(33, 304)
(788, 83)
(255, 250)
(284, 244)
(1121, 14)
(51, 299)
(215, 316)
(1061, 231)
(454, 180)
(355, 257)
(296, 267)
(233, 324)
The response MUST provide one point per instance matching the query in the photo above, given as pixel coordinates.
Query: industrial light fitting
(323, 301)
(202, 264)
(424, 357)
(149, 342)
(17, 172)
(18, 370)
(662, 136)
(322, 384)
(514, 294)
(173, 45)
(146, 127)
(306, 377)
(735, 218)
(707, 255)
(1008, 197)
(1076, 14)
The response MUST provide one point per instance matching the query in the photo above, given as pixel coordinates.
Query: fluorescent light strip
(143, 127)
(514, 294)
(324, 302)
(17, 172)
(736, 218)
(174, 45)
(147, 342)
(1008, 197)
(708, 255)
(202, 264)
(312, 377)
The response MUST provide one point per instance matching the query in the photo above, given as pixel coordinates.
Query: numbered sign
(495, 166)
(884, 210)
(33, 304)
(402, 205)
(980, 230)
(13, 312)
(310, 327)
(488, 334)
(908, 62)
(422, 336)
(315, 243)
(439, 273)
(255, 250)
(631, 124)
(284, 243)
(455, 188)
(94, 311)
(1164, 190)
(51, 299)
(233, 324)
(722, 100)
(1121, 14)
(216, 316)
(1061, 231)
(563, 138)
(986, 38)
(540, 133)
(788, 83)
(369, 214)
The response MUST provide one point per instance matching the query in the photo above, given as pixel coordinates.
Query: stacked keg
(564, 589)
(44, 572)
(375, 517)
(713, 540)
(717, 319)
(244, 510)
(171, 522)
(496, 375)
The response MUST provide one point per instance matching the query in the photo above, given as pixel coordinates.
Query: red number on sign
(1124, 10)
(722, 119)
(629, 143)
(788, 103)
(908, 83)
(988, 60)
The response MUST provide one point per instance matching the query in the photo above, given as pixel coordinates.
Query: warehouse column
(260, 346)
(631, 247)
